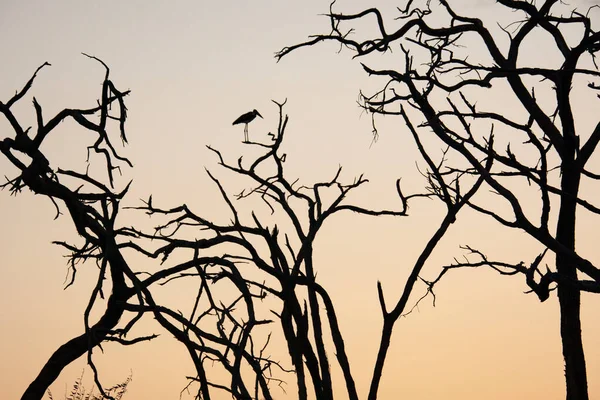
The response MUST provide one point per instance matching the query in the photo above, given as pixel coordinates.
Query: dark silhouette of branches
(253, 278)
(92, 206)
(436, 89)
(282, 253)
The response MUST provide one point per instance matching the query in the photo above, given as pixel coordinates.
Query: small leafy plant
(78, 391)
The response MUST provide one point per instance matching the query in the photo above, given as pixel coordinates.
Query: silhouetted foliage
(78, 391)
(452, 63)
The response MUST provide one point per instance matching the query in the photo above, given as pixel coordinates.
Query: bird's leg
(246, 134)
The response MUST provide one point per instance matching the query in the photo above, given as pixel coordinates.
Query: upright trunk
(568, 294)
(315, 314)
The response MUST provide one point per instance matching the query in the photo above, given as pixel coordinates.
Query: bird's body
(246, 119)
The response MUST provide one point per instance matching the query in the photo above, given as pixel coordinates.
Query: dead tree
(272, 261)
(436, 90)
(92, 205)
(251, 276)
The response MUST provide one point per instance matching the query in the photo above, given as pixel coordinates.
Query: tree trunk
(570, 330)
(71, 351)
(568, 294)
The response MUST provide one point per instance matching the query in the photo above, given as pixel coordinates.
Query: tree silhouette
(92, 206)
(254, 276)
(452, 62)
(281, 253)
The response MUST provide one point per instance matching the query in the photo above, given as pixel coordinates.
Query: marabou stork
(246, 119)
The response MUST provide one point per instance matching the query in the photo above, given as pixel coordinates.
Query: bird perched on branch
(246, 119)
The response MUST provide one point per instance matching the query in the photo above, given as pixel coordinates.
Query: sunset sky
(192, 68)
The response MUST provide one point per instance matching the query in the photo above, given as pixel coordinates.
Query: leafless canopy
(444, 76)
(471, 82)
(92, 205)
(251, 281)
(271, 265)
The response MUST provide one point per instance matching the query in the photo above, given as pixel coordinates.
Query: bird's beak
(257, 113)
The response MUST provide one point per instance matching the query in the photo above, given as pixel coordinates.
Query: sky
(192, 68)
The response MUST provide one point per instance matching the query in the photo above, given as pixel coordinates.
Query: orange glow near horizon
(193, 67)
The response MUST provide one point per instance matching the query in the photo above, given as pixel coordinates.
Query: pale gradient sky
(193, 67)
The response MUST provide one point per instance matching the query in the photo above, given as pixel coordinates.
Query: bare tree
(274, 261)
(255, 279)
(449, 61)
(92, 206)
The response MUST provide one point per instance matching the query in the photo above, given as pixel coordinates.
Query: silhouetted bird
(246, 119)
